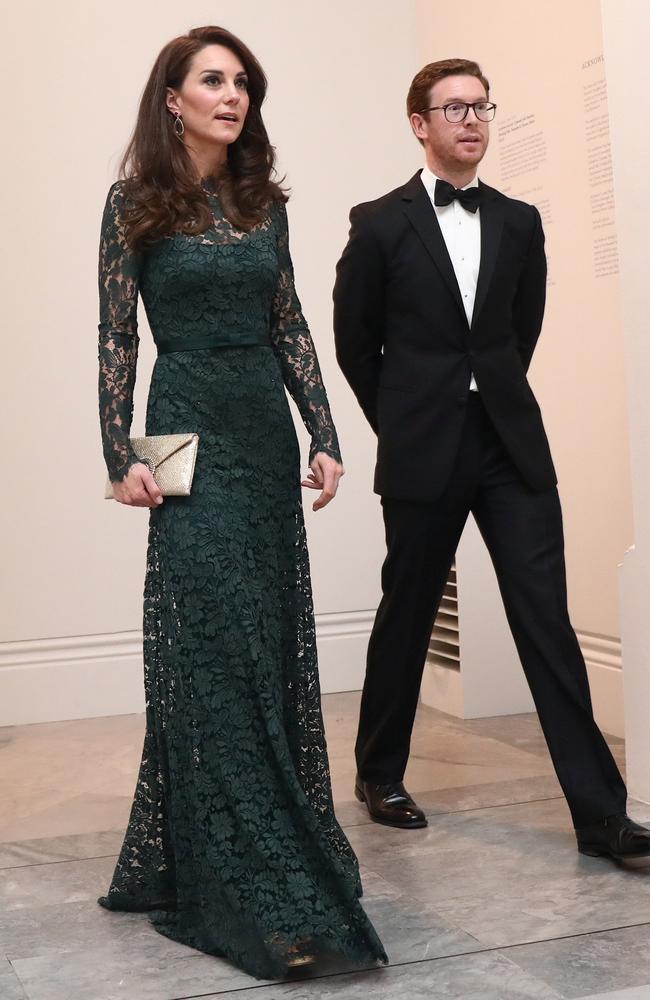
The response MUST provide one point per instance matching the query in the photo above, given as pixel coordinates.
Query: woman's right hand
(138, 488)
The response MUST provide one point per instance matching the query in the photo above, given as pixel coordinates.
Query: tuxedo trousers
(523, 532)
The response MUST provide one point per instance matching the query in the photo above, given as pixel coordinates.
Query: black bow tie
(445, 193)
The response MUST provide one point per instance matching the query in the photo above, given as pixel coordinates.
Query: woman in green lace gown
(232, 845)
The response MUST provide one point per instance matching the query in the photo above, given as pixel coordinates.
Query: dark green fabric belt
(205, 342)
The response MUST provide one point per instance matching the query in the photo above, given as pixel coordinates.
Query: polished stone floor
(490, 902)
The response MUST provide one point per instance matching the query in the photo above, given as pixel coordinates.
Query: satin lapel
(491, 229)
(422, 217)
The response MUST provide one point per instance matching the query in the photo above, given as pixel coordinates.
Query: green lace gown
(232, 844)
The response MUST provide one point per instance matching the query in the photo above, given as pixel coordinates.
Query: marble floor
(490, 902)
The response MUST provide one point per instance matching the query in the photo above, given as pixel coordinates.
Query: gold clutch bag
(171, 459)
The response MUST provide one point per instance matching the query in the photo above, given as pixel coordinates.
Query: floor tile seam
(525, 757)
(396, 965)
(60, 861)
(419, 961)
(345, 826)
(335, 975)
(17, 975)
(570, 937)
(472, 728)
(374, 969)
(457, 812)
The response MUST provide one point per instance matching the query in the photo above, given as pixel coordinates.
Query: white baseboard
(442, 687)
(76, 677)
(80, 677)
(342, 640)
(83, 677)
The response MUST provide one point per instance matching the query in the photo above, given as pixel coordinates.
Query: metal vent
(444, 645)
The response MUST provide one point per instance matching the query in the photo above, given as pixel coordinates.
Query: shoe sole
(627, 860)
(414, 825)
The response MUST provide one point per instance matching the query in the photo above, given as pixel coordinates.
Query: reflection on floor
(490, 902)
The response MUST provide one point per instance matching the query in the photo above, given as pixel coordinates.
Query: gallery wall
(73, 564)
(550, 145)
(626, 28)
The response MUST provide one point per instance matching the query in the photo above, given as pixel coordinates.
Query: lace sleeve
(296, 353)
(118, 337)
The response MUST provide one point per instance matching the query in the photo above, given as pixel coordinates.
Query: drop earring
(179, 127)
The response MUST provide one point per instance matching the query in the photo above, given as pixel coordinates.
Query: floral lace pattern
(232, 845)
(187, 289)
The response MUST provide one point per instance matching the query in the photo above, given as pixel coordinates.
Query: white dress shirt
(461, 231)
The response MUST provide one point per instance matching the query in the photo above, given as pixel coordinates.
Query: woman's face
(213, 98)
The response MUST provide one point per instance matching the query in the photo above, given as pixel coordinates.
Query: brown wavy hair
(163, 190)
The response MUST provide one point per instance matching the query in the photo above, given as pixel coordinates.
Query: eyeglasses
(458, 111)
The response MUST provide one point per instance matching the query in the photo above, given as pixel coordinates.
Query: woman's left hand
(324, 475)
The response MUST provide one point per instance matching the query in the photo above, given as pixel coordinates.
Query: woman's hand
(138, 488)
(324, 475)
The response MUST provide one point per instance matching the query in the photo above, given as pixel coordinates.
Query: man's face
(454, 145)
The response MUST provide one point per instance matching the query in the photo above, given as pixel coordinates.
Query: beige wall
(533, 56)
(626, 26)
(73, 563)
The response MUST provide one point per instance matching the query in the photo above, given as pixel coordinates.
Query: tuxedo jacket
(404, 343)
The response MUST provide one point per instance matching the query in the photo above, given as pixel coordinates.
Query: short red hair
(419, 95)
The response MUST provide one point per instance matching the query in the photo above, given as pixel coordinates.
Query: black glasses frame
(443, 107)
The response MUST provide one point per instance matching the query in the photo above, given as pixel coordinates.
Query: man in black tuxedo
(438, 305)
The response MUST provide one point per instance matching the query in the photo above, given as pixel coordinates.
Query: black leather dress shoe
(617, 837)
(390, 804)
